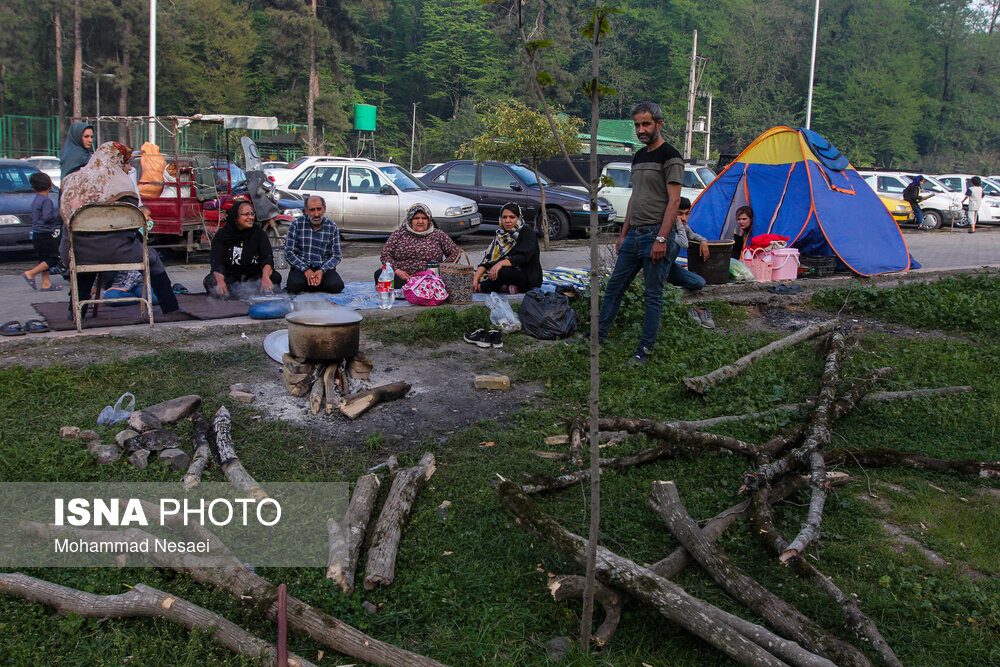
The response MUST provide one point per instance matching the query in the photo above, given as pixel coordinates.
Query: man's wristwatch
(661, 239)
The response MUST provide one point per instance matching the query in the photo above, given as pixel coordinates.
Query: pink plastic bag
(425, 289)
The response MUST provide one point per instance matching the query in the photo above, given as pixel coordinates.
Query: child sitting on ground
(685, 236)
(46, 226)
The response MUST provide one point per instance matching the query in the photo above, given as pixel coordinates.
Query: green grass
(470, 585)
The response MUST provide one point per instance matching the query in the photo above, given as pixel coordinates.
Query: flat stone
(241, 386)
(496, 382)
(369, 607)
(106, 453)
(153, 441)
(122, 436)
(93, 445)
(177, 459)
(558, 648)
(142, 421)
(242, 396)
(173, 410)
(88, 435)
(139, 458)
(69, 432)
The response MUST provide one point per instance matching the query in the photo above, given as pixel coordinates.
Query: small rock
(141, 421)
(139, 458)
(499, 382)
(106, 453)
(241, 386)
(69, 432)
(88, 435)
(122, 436)
(242, 396)
(177, 459)
(558, 648)
(152, 440)
(93, 445)
(369, 607)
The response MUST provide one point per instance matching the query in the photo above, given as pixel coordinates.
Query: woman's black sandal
(12, 328)
(36, 326)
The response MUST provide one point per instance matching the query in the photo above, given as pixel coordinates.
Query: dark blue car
(16, 196)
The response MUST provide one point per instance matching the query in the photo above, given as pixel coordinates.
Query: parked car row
(943, 206)
(16, 196)
(696, 179)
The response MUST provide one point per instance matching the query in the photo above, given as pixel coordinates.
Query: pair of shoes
(12, 328)
(51, 288)
(36, 326)
(30, 281)
(702, 317)
(484, 338)
(639, 359)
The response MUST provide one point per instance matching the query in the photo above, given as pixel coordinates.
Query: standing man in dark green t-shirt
(647, 237)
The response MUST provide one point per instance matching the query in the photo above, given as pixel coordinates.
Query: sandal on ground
(12, 328)
(30, 281)
(36, 326)
(177, 288)
(51, 288)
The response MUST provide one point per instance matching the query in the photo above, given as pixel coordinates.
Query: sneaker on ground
(496, 338)
(638, 359)
(706, 318)
(479, 337)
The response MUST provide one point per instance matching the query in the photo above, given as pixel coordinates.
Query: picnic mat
(198, 307)
(362, 296)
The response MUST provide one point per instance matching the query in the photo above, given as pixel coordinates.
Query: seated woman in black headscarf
(242, 259)
(511, 262)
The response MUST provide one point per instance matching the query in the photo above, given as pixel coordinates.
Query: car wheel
(558, 223)
(932, 220)
(963, 221)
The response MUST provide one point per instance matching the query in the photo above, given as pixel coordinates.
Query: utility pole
(692, 88)
(152, 71)
(708, 130)
(812, 67)
(413, 133)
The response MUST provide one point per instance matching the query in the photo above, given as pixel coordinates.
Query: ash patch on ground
(783, 319)
(442, 398)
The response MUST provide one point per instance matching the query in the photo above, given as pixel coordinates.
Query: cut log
(355, 405)
(202, 453)
(296, 365)
(318, 391)
(701, 383)
(331, 389)
(359, 366)
(154, 441)
(381, 566)
(576, 431)
(696, 616)
(146, 602)
(250, 588)
(782, 617)
(358, 514)
(175, 409)
(231, 466)
(297, 384)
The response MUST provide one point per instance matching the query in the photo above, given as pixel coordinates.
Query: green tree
(515, 132)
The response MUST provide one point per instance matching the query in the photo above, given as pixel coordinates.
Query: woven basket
(760, 264)
(457, 279)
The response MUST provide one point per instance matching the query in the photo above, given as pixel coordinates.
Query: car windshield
(403, 179)
(528, 176)
(14, 178)
(706, 174)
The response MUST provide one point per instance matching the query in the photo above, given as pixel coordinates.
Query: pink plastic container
(785, 264)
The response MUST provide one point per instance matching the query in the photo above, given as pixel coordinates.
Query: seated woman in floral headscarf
(416, 243)
(105, 179)
(511, 262)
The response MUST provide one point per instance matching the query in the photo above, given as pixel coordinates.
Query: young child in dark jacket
(46, 226)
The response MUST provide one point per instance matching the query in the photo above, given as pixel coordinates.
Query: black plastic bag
(547, 315)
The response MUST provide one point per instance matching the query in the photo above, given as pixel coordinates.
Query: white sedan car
(48, 164)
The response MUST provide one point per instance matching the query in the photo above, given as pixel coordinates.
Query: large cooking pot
(327, 333)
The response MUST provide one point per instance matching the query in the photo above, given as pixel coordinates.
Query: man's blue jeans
(633, 257)
(685, 278)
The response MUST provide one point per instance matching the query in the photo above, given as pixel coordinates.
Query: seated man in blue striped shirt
(312, 248)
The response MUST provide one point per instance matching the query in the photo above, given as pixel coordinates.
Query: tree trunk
(60, 93)
(313, 85)
(77, 62)
(124, 79)
(231, 466)
(783, 617)
(546, 243)
(358, 514)
(144, 601)
(701, 383)
(381, 566)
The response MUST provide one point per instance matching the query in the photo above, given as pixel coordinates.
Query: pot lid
(333, 315)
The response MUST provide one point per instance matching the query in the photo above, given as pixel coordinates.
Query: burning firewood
(318, 391)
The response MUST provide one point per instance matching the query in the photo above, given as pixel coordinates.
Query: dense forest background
(898, 82)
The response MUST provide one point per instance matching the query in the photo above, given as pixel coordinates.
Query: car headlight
(9, 220)
(585, 206)
(900, 208)
(295, 212)
(453, 211)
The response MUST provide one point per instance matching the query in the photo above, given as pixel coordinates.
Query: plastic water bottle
(386, 295)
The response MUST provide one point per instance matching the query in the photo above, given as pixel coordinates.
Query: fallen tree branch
(701, 383)
(231, 466)
(148, 602)
(248, 587)
(857, 620)
(611, 600)
(668, 432)
(543, 483)
(358, 514)
(881, 458)
(694, 615)
(381, 565)
(779, 614)
(202, 453)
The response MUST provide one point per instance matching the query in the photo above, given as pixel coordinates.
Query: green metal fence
(24, 136)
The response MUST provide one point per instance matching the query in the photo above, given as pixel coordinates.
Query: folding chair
(106, 218)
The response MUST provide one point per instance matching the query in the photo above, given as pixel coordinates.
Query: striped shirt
(306, 248)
